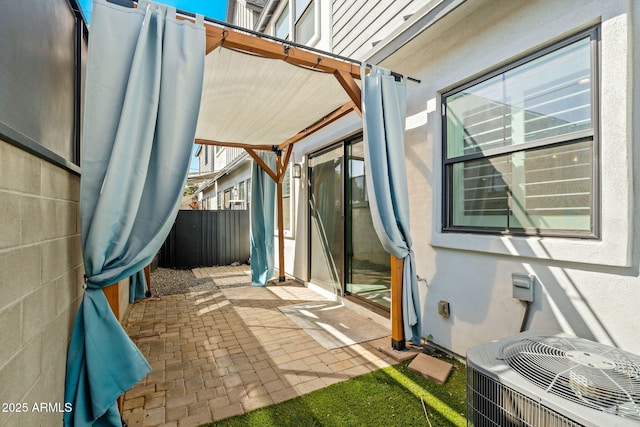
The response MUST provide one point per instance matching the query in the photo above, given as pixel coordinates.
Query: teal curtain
(384, 114)
(137, 286)
(262, 213)
(142, 97)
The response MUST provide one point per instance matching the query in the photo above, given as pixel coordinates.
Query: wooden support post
(147, 276)
(282, 169)
(112, 292)
(397, 324)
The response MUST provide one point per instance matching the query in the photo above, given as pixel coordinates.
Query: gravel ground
(166, 281)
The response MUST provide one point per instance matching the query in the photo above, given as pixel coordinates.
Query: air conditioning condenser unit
(533, 379)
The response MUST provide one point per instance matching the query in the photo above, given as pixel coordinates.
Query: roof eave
(433, 12)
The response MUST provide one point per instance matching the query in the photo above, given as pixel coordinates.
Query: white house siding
(590, 288)
(358, 24)
(243, 15)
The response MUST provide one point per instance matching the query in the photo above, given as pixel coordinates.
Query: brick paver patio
(228, 350)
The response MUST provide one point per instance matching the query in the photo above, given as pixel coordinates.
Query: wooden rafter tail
(233, 144)
(232, 39)
(262, 164)
(325, 121)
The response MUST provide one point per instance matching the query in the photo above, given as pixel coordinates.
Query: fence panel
(204, 238)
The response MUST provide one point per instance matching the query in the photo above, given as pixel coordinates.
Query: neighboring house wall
(589, 287)
(358, 25)
(206, 158)
(231, 182)
(243, 13)
(41, 273)
(226, 155)
(314, 31)
(211, 193)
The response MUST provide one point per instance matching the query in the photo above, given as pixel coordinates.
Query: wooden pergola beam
(325, 121)
(212, 44)
(351, 87)
(283, 162)
(232, 39)
(262, 164)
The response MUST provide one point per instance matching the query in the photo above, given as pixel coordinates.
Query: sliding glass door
(326, 218)
(367, 263)
(346, 255)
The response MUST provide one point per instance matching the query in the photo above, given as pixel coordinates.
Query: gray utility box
(523, 285)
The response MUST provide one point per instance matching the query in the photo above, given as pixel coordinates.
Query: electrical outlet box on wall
(523, 285)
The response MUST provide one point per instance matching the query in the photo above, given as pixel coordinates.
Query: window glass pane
(546, 97)
(552, 187)
(301, 6)
(478, 119)
(542, 189)
(305, 27)
(367, 263)
(552, 94)
(286, 182)
(286, 199)
(241, 191)
(227, 199)
(248, 193)
(282, 24)
(480, 192)
(327, 233)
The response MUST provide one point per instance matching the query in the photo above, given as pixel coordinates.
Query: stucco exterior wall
(41, 279)
(590, 288)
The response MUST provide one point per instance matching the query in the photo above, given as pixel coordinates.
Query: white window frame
(285, 11)
(294, 18)
(313, 6)
(288, 232)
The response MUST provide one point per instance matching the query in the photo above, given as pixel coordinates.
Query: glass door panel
(367, 263)
(326, 213)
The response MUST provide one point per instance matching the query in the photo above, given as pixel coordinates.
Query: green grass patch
(392, 396)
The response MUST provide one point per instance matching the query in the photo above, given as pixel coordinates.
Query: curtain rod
(286, 42)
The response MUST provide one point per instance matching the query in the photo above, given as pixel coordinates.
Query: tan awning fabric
(249, 99)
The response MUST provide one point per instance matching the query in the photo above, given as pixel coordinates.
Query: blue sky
(216, 9)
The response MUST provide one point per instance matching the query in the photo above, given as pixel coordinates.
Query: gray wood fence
(205, 238)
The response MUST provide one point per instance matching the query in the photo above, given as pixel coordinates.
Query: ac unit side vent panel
(491, 404)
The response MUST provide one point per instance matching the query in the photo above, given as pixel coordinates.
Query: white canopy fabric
(253, 100)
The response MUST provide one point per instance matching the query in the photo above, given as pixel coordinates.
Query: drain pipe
(523, 326)
(266, 15)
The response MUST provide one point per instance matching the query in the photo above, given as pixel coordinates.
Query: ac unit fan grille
(585, 372)
(492, 404)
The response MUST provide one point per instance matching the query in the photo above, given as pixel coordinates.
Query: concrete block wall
(41, 277)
